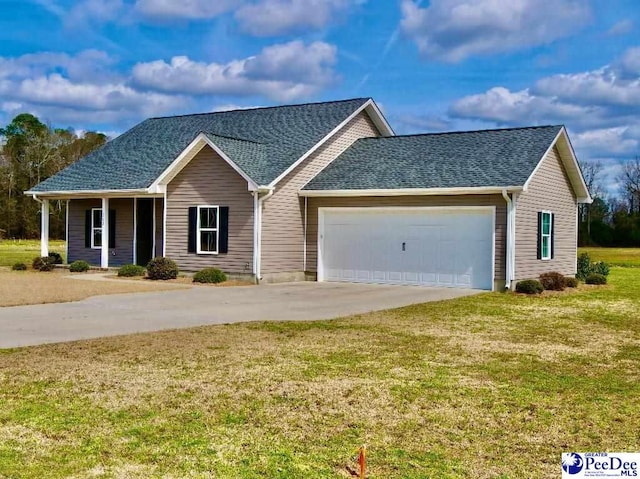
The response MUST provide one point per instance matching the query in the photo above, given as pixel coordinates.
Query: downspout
(510, 240)
(257, 232)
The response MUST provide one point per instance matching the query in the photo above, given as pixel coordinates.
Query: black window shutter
(223, 233)
(87, 229)
(193, 224)
(539, 237)
(112, 228)
(553, 234)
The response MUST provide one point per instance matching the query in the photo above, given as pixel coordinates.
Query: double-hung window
(96, 228)
(546, 230)
(207, 229)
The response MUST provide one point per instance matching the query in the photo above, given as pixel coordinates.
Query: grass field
(626, 257)
(491, 386)
(14, 251)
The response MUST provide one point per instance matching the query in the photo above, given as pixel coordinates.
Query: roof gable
(263, 143)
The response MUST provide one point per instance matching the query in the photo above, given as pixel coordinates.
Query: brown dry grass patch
(19, 288)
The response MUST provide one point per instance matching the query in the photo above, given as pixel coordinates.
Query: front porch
(110, 232)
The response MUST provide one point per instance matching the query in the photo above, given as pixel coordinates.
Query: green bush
(19, 267)
(129, 270)
(570, 282)
(553, 281)
(56, 258)
(529, 286)
(79, 266)
(584, 266)
(596, 278)
(162, 268)
(42, 263)
(600, 267)
(209, 275)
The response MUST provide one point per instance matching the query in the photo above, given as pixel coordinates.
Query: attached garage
(434, 246)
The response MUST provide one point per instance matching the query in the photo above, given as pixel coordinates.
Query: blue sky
(431, 65)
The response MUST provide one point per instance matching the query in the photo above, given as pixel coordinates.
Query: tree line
(611, 220)
(30, 152)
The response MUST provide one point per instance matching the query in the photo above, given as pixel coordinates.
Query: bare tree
(629, 180)
(592, 174)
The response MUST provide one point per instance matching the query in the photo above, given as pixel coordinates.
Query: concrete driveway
(141, 312)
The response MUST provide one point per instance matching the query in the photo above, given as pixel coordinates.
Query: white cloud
(621, 28)
(184, 9)
(55, 90)
(607, 141)
(282, 72)
(600, 87)
(275, 17)
(452, 30)
(76, 88)
(88, 11)
(502, 106)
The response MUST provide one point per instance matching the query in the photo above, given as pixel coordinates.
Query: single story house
(325, 191)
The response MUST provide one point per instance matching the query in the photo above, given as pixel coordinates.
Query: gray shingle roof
(263, 142)
(440, 160)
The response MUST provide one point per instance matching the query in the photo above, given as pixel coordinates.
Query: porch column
(44, 228)
(104, 258)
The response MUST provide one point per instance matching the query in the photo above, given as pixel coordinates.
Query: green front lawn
(496, 385)
(23, 251)
(627, 257)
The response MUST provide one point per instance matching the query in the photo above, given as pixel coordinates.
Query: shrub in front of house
(209, 275)
(601, 268)
(79, 266)
(42, 263)
(596, 278)
(130, 270)
(19, 267)
(584, 266)
(529, 286)
(56, 258)
(553, 281)
(162, 268)
(571, 282)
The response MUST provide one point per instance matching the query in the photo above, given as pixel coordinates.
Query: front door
(144, 231)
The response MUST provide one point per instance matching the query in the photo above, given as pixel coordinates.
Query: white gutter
(479, 190)
(257, 227)
(511, 237)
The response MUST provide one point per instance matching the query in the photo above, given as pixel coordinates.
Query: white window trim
(543, 235)
(199, 230)
(94, 228)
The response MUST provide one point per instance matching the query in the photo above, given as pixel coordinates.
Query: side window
(545, 235)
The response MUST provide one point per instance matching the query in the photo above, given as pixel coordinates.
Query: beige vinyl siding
(209, 180)
(122, 253)
(549, 190)
(283, 213)
(377, 201)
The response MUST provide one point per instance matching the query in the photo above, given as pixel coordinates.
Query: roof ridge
(259, 108)
(486, 130)
(232, 138)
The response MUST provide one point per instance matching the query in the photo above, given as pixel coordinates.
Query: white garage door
(452, 247)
